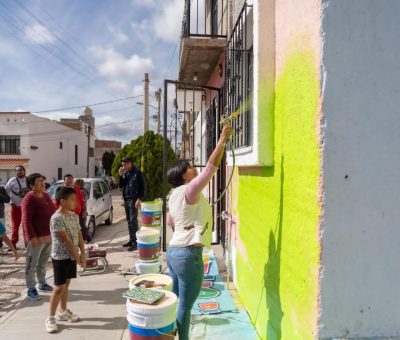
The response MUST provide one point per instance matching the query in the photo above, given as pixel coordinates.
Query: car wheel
(92, 227)
(110, 218)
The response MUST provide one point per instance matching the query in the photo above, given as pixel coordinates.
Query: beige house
(102, 146)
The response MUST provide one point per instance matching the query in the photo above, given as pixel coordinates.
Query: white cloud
(120, 128)
(57, 115)
(39, 34)
(114, 64)
(145, 3)
(168, 22)
(120, 85)
(119, 36)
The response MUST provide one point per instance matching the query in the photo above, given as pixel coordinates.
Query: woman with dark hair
(191, 219)
(37, 209)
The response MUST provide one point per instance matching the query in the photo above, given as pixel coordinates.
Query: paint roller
(229, 119)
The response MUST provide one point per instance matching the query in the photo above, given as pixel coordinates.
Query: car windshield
(53, 188)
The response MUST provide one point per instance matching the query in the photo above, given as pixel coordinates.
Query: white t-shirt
(13, 189)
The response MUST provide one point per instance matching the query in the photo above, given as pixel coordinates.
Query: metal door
(191, 121)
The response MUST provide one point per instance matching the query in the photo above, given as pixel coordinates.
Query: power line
(82, 106)
(15, 23)
(172, 57)
(59, 38)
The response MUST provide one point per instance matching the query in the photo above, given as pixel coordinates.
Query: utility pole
(89, 131)
(158, 96)
(146, 104)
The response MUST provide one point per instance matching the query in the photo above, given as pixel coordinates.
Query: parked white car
(99, 203)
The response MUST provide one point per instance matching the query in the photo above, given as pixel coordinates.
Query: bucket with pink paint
(148, 243)
(151, 214)
(153, 322)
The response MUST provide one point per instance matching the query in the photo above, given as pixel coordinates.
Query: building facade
(102, 146)
(45, 146)
(313, 237)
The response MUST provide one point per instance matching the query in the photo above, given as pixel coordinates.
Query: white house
(46, 146)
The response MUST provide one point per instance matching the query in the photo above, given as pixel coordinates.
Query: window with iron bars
(238, 86)
(10, 145)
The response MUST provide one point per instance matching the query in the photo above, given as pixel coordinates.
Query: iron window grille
(238, 86)
(10, 145)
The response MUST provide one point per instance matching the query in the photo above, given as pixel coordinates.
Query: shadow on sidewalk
(101, 297)
(111, 323)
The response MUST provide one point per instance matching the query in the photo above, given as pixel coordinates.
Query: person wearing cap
(133, 187)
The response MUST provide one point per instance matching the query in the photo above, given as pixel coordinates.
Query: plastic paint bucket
(151, 228)
(161, 281)
(148, 242)
(152, 206)
(148, 267)
(151, 213)
(152, 322)
(151, 219)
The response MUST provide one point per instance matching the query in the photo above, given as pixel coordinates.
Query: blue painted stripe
(151, 213)
(152, 332)
(143, 245)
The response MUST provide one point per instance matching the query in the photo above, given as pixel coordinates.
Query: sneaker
(67, 315)
(132, 247)
(44, 287)
(33, 294)
(51, 325)
(128, 244)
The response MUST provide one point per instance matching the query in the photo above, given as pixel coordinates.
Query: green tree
(107, 161)
(150, 146)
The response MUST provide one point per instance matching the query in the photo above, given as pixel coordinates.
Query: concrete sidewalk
(97, 299)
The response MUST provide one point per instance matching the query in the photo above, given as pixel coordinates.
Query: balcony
(203, 39)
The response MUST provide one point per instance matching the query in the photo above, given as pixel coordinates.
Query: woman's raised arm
(195, 186)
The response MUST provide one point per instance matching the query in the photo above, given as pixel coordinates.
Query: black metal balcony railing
(205, 19)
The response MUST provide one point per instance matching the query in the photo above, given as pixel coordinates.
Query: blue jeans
(186, 268)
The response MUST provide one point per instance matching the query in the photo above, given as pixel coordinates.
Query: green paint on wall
(278, 212)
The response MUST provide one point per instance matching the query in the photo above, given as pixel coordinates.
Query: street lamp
(141, 103)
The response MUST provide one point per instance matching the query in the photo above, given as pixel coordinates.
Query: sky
(64, 53)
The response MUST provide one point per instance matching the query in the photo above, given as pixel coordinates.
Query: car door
(106, 200)
(98, 198)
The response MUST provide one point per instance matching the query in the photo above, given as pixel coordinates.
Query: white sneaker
(51, 325)
(67, 315)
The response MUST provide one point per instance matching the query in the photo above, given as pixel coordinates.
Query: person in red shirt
(80, 186)
(69, 182)
(37, 209)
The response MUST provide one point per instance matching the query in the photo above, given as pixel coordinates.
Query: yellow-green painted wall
(278, 209)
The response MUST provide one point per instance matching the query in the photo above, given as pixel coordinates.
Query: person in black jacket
(133, 187)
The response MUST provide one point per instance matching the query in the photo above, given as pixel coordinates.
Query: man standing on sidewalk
(133, 187)
(17, 189)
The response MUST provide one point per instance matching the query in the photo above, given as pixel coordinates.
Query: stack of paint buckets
(158, 321)
(149, 239)
(155, 322)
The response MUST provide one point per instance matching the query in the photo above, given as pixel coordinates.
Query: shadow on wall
(272, 272)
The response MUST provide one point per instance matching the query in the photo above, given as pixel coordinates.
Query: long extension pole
(165, 164)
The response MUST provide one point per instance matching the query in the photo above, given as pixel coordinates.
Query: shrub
(150, 145)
